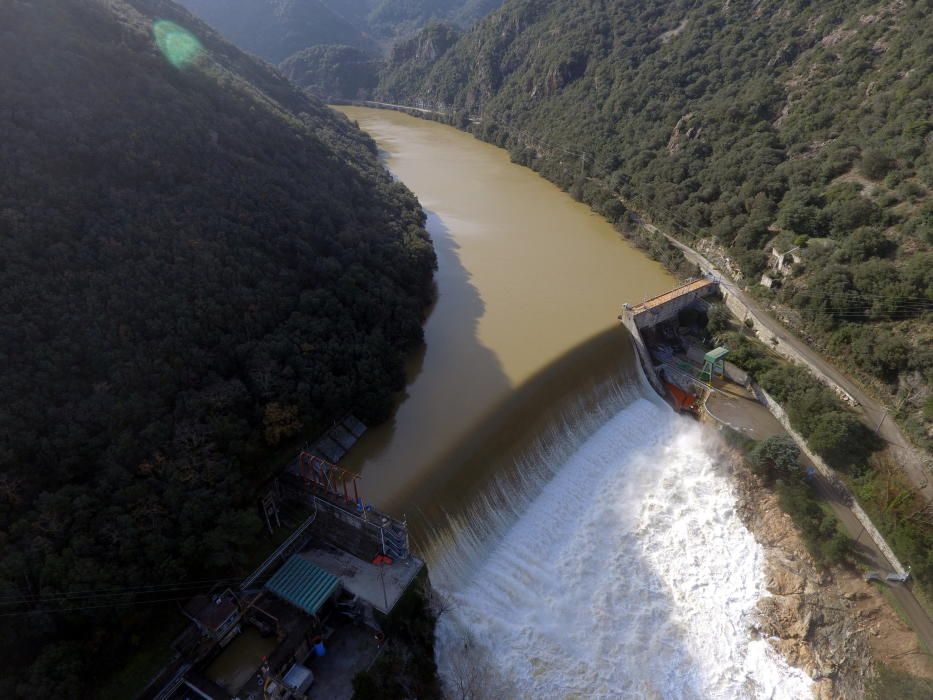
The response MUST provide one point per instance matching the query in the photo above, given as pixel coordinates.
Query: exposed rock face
(832, 624)
(683, 131)
(426, 47)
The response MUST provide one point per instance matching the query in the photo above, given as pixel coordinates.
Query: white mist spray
(621, 571)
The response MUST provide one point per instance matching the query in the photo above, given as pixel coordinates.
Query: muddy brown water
(530, 283)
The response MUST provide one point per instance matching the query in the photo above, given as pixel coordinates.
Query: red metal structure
(333, 481)
(683, 400)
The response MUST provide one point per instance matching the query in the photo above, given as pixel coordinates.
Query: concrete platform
(364, 579)
(731, 405)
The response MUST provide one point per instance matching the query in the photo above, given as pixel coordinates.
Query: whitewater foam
(627, 574)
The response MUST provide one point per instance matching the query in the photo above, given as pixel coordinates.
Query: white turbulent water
(626, 574)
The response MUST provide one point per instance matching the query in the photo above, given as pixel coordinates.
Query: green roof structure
(714, 359)
(303, 584)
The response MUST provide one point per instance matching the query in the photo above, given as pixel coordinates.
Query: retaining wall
(778, 412)
(742, 312)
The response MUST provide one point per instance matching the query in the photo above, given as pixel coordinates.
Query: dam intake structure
(658, 310)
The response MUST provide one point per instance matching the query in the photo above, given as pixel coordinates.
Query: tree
(875, 164)
(472, 676)
(719, 319)
(777, 455)
(841, 439)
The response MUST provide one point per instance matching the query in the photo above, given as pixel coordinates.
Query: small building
(216, 616)
(769, 282)
(303, 585)
(782, 262)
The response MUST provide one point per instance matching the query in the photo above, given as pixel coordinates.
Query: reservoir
(582, 536)
(526, 274)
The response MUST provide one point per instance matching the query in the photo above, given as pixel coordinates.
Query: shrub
(777, 455)
(864, 243)
(875, 164)
(850, 214)
(719, 319)
(889, 683)
(819, 530)
(841, 440)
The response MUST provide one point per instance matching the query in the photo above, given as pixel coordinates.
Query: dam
(663, 308)
(582, 533)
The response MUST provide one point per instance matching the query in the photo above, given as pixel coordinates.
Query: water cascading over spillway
(608, 564)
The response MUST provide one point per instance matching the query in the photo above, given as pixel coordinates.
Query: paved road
(873, 413)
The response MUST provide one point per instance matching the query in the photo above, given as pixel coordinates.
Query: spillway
(625, 574)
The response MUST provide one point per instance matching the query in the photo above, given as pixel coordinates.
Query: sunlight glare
(176, 43)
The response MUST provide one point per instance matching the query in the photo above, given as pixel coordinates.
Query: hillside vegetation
(333, 71)
(399, 19)
(277, 29)
(742, 127)
(199, 262)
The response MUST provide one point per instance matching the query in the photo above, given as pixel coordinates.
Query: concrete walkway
(732, 406)
(380, 586)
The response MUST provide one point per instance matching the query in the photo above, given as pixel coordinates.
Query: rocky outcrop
(684, 130)
(829, 623)
(427, 47)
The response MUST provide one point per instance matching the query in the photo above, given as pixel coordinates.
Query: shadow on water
(451, 381)
(550, 413)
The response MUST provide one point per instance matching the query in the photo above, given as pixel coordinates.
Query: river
(526, 274)
(581, 532)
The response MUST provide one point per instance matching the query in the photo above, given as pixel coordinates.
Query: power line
(123, 604)
(72, 596)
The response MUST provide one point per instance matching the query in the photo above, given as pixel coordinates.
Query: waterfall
(609, 563)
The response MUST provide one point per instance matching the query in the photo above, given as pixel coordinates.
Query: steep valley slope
(200, 263)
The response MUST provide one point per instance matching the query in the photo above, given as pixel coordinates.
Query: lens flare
(176, 43)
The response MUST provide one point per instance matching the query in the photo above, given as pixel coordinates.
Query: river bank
(831, 623)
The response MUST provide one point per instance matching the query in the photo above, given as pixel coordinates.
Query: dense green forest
(333, 48)
(399, 19)
(741, 127)
(333, 71)
(198, 262)
(277, 29)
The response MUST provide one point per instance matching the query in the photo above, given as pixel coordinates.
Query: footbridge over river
(661, 309)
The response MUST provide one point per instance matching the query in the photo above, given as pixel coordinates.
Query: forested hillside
(742, 127)
(333, 71)
(199, 262)
(398, 19)
(275, 29)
